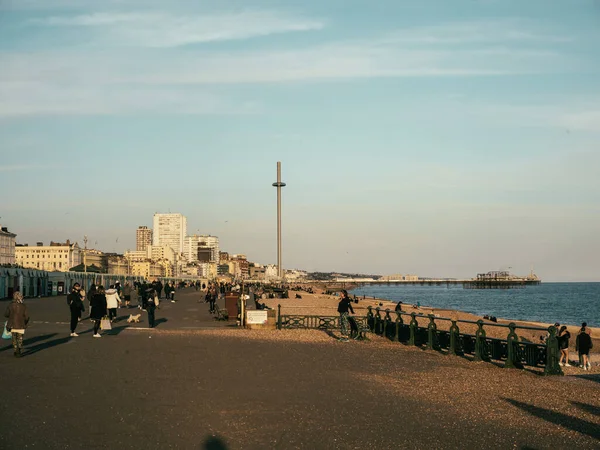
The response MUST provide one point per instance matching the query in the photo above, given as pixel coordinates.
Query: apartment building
(143, 238)
(169, 229)
(203, 248)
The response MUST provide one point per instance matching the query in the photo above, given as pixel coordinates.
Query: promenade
(194, 383)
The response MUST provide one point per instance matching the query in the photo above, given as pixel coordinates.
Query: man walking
(344, 305)
(75, 305)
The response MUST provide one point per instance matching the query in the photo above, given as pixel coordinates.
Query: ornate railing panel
(391, 324)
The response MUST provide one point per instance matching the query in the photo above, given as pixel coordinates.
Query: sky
(420, 137)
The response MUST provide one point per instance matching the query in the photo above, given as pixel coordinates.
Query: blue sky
(430, 137)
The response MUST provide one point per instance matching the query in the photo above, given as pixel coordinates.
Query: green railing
(514, 352)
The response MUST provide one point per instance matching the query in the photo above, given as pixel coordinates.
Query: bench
(221, 313)
(359, 327)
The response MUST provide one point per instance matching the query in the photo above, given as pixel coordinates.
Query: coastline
(318, 303)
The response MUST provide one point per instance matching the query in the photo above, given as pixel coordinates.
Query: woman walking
(98, 302)
(112, 302)
(18, 318)
(563, 344)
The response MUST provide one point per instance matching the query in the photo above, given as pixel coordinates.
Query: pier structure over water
(489, 280)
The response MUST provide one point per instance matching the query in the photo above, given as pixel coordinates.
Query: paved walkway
(189, 312)
(173, 387)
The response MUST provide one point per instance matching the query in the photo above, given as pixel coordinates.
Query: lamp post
(279, 185)
(85, 239)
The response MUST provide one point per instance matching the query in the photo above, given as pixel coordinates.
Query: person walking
(98, 302)
(112, 302)
(344, 306)
(75, 305)
(90, 295)
(18, 318)
(134, 295)
(168, 290)
(583, 345)
(127, 293)
(150, 309)
(563, 344)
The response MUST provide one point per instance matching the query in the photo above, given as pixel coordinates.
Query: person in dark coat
(583, 345)
(18, 318)
(75, 305)
(158, 288)
(344, 306)
(99, 311)
(90, 295)
(150, 309)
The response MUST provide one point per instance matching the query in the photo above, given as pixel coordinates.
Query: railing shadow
(558, 418)
(213, 443)
(595, 410)
(592, 377)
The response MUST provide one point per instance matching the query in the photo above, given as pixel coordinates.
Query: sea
(566, 303)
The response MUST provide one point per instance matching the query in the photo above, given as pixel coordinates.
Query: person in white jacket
(113, 301)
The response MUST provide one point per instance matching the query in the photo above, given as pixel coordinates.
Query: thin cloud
(168, 30)
(498, 31)
(22, 167)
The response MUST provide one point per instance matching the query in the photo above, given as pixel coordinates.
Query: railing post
(431, 329)
(511, 342)
(552, 354)
(413, 329)
(386, 321)
(399, 323)
(479, 341)
(279, 317)
(370, 318)
(452, 350)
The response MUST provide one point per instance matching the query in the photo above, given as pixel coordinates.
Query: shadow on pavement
(557, 418)
(592, 377)
(115, 330)
(595, 410)
(214, 443)
(30, 341)
(157, 322)
(46, 345)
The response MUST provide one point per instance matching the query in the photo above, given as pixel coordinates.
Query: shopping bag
(105, 324)
(5, 333)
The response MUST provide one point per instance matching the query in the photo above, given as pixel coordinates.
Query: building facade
(7, 247)
(56, 257)
(169, 229)
(143, 238)
(203, 245)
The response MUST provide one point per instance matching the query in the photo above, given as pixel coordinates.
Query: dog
(134, 319)
(298, 296)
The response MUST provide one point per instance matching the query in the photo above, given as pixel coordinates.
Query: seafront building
(54, 257)
(202, 248)
(143, 238)
(7, 247)
(169, 229)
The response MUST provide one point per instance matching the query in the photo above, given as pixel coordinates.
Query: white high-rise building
(169, 229)
(208, 246)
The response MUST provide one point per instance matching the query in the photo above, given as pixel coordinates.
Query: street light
(85, 239)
